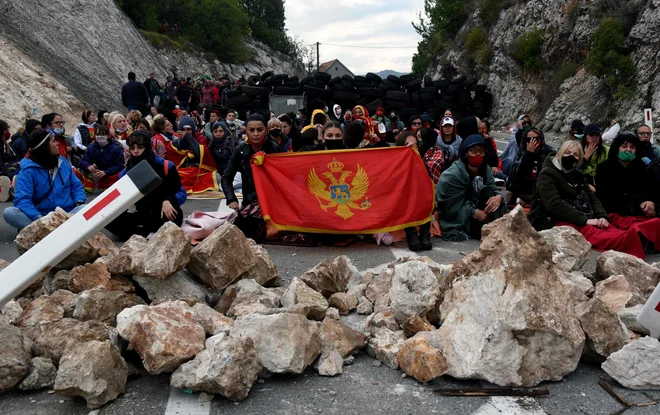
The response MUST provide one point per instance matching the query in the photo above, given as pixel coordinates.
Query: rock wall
(569, 27)
(65, 55)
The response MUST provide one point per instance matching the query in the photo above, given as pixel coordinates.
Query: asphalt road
(364, 388)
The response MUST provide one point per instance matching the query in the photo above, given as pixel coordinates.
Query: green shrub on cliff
(478, 45)
(526, 50)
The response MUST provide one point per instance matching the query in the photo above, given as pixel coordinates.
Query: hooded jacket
(311, 119)
(525, 170)
(110, 158)
(170, 189)
(510, 153)
(622, 189)
(554, 198)
(222, 149)
(38, 193)
(588, 167)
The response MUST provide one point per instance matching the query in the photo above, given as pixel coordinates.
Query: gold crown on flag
(336, 166)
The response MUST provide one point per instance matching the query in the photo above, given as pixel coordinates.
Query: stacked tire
(405, 94)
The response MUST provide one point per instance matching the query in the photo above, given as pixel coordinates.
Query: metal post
(51, 250)
(648, 120)
(318, 64)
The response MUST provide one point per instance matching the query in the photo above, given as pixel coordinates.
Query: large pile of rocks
(516, 312)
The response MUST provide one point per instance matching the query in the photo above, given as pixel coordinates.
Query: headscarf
(144, 138)
(40, 150)
(225, 140)
(187, 121)
(366, 120)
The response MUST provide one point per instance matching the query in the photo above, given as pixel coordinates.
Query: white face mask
(101, 140)
(579, 136)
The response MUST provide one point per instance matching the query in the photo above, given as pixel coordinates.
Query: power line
(369, 47)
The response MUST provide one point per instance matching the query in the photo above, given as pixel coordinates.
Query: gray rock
(365, 307)
(382, 319)
(58, 336)
(344, 302)
(264, 271)
(41, 375)
(246, 297)
(10, 312)
(635, 366)
(299, 294)
(102, 305)
(166, 253)
(569, 248)
(385, 345)
(14, 357)
(67, 299)
(642, 277)
(628, 317)
(122, 263)
(330, 277)
(414, 291)
(178, 286)
(61, 280)
(332, 313)
(213, 322)
(330, 363)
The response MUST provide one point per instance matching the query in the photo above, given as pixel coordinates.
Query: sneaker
(5, 187)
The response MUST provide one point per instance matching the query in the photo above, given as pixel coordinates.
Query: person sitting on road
(414, 124)
(102, 162)
(647, 150)
(222, 146)
(449, 142)
(290, 130)
(466, 195)
(19, 142)
(275, 133)
(163, 134)
(562, 197)
(9, 160)
(577, 130)
(532, 154)
(510, 153)
(54, 123)
(214, 116)
(84, 133)
(433, 157)
(318, 120)
(250, 219)
(161, 205)
(120, 129)
(492, 157)
(45, 182)
(595, 152)
(332, 137)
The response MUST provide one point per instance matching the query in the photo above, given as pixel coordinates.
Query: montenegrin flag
(344, 191)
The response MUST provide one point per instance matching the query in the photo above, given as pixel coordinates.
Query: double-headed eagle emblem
(339, 194)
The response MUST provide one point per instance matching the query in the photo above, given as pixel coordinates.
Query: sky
(357, 23)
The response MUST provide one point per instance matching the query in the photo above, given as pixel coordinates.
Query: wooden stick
(493, 392)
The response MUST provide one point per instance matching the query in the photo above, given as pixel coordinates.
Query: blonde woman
(562, 197)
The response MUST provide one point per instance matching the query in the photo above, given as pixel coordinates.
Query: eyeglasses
(58, 122)
(416, 123)
(525, 123)
(477, 151)
(645, 134)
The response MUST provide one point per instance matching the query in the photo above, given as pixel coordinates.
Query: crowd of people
(195, 143)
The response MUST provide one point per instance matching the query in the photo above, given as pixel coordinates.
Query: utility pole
(318, 65)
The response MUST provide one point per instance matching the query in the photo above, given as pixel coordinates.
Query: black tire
(360, 84)
(373, 105)
(453, 89)
(359, 78)
(322, 76)
(317, 84)
(414, 99)
(256, 90)
(443, 104)
(239, 100)
(396, 104)
(428, 97)
(480, 105)
(340, 87)
(318, 92)
(281, 77)
(371, 92)
(384, 87)
(478, 88)
(254, 80)
(459, 80)
(407, 78)
(391, 84)
(347, 78)
(428, 90)
(294, 84)
(267, 75)
(233, 93)
(441, 83)
(373, 77)
(345, 96)
(468, 83)
(348, 85)
(414, 83)
(414, 88)
(334, 81)
(428, 81)
(397, 95)
(283, 90)
(306, 80)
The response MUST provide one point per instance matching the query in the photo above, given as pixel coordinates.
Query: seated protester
(214, 116)
(45, 182)
(10, 162)
(429, 124)
(84, 133)
(193, 160)
(449, 142)
(595, 152)
(332, 137)
(120, 130)
(222, 146)
(417, 241)
(492, 157)
(19, 142)
(102, 162)
(562, 197)
(103, 118)
(510, 153)
(577, 130)
(353, 135)
(234, 125)
(348, 118)
(163, 136)
(337, 113)
(311, 139)
(647, 150)
(250, 219)
(317, 120)
(628, 190)
(290, 130)
(275, 133)
(161, 205)
(414, 124)
(187, 125)
(532, 154)
(433, 157)
(382, 119)
(54, 123)
(466, 195)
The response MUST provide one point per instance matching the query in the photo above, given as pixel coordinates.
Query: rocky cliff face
(66, 55)
(568, 31)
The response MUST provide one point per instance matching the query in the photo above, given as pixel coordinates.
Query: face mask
(334, 144)
(58, 131)
(579, 136)
(626, 156)
(297, 116)
(7, 135)
(379, 113)
(276, 132)
(569, 163)
(120, 130)
(347, 117)
(101, 140)
(230, 122)
(414, 129)
(475, 161)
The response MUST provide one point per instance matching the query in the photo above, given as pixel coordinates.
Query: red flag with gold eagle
(344, 191)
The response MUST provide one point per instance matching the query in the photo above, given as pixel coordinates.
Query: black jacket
(240, 163)
(134, 93)
(527, 167)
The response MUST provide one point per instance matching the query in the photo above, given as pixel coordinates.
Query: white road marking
(180, 403)
(504, 405)
(402, 252)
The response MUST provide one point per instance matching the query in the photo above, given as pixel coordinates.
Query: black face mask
(276, 132)
(569, 163)
(334, 144)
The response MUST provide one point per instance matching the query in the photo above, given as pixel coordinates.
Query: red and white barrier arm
(51, 250)
(649, 317)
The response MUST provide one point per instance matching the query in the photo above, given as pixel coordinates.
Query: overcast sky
(357, 23)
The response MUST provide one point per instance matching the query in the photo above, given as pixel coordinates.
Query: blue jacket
(172, 176)
(38, 193)
(110, 158)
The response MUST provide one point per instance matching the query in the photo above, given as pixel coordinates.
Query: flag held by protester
(344, 191)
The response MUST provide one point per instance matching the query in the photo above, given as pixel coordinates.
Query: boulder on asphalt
(178, 286)
(338, 336)
(43, 310)
(67, 299)
(122, 262)
(167, 252)
(32, 234)
(222, 258)
(578, 286)
(418, 357)
(330, 277)
(642, 277)
(60, 280)
(332, 313)
(103, 305)
(247, 296)
(164, 336)
(615, 292)
(228, 366)
(299, 294)
(264, 271)
(570, 249)
(628, 317)
(93, 370)
(56, 337)
(379, 284)
(364, 306)
(10, 312)
(414, 290)
(382, 319)
(383, 303)
(385, 344)
(416, 324)
(507, 318)
(286, 343)
(41, 375)
(636, 365)
(344, 302)
(213, 322)
(88, 276)
(330, 363)
(14, 357)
